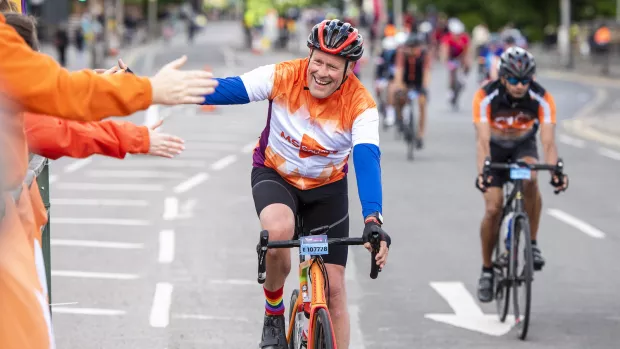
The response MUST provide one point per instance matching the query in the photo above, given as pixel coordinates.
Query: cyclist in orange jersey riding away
(507, 114)
(318, 113)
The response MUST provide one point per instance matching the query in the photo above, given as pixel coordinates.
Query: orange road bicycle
(310, 324)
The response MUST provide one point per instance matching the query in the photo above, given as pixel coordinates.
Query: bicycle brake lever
(261, 250)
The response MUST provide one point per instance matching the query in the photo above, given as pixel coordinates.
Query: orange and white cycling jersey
(306, 140)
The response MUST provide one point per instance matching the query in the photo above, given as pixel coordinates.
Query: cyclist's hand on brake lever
(560, 182)
(371, 227)
(483, 182)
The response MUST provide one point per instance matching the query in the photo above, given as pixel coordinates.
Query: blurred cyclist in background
(412, 78)
(454, 51)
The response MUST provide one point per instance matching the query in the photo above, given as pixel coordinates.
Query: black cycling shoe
(485, 287)
(539, 261)
(419, 144)
(274, 334)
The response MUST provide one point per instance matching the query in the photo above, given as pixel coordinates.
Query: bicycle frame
(318, 300)
(516, 197)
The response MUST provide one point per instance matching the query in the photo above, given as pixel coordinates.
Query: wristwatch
(376, 216)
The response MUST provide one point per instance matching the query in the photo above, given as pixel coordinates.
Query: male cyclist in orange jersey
(318, 113)
(507, 114)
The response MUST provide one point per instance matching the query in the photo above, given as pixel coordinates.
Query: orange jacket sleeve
(40, 85)
(52, 137)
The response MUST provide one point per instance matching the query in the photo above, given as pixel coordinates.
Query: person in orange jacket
(35, 83)
(53, 138)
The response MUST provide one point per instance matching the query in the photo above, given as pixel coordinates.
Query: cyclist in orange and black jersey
(507, 114)
(412, 76)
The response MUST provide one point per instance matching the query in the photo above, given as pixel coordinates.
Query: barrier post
(43, 181)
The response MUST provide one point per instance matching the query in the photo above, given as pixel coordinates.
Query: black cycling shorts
(527, 148)
(325, 205)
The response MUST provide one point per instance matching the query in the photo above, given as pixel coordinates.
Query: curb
(590, 80)
(582, 128)
(581, 124)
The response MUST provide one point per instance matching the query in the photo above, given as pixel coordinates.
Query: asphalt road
(158, 253)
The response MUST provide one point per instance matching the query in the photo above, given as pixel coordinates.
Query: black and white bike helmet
(517, 62)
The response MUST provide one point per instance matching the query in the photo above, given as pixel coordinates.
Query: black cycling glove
(558, 181)
(372, 227)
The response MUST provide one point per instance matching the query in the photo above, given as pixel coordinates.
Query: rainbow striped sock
(274, 305)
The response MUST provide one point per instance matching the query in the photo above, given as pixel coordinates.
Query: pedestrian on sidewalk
(62, 42)
(79, 46)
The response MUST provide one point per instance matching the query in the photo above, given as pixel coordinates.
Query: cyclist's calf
(338, 304)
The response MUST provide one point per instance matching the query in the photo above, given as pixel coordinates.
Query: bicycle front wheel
(500, 287)
(522, 272)
(293, 341)
(322, 335)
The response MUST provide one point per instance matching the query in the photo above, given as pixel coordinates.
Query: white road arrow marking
(467, 314)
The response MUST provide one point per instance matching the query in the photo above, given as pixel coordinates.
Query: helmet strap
(345, 76)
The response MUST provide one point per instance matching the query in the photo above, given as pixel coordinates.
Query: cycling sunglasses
(514, 80)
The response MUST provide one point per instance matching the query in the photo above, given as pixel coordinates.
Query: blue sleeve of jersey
(229, 91)
(366, 160)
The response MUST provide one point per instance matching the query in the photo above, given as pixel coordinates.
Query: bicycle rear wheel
(322, 331)
(522, 274)
(500, 286)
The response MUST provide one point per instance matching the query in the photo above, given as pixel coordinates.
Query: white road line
(166, 246)
(577, 223)
(133, 174)
(59, 304)
(77, 164)
(224, 162)
(212, 317)
(110, 187)
(142, 163)
(171, 208)
(459, 299)
(249, 147)
(100, 221)
(94, 275)
(160, 312)
(233, 282)
(99, 202)
(53, 178)
(609, 153)
(191, 182)
(88, 311)
(575, 142)
(97, 244)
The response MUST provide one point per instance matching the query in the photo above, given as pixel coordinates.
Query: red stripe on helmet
(352, 37)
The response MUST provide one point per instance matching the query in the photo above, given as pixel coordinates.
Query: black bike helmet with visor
(518, 63)
(338, 38)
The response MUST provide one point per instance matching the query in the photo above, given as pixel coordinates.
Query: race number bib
(313, 245)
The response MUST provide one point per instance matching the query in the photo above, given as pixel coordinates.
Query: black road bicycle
(510, 271)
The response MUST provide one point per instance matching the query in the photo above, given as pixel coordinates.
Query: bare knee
(279, 221)
(493, 202)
